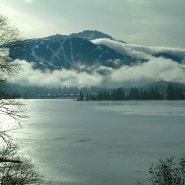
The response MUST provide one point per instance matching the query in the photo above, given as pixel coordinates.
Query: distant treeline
(43, 92)
(173, 92)
(159, 91)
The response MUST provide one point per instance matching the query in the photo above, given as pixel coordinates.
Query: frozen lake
(101, 143)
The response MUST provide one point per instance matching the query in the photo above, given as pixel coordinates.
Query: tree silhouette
(13, 169)
(170, 92)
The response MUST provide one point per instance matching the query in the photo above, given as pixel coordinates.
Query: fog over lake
(101, 143)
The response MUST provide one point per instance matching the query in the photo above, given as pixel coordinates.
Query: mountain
(67, 52)
(86, 34)
(97, 59)
(78, 51)
(91, 35)
(174, 57)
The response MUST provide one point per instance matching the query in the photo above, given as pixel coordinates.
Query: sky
(144, 22)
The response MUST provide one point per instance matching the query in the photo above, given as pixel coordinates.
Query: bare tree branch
(9, 160)
(13, 171)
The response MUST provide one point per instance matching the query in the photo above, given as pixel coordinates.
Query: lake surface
(101, 143)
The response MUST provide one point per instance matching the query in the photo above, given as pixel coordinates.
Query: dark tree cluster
(174, 92)
(114, 94)
(107, 94)
(152, 93)
(43, 92)
(132, 94)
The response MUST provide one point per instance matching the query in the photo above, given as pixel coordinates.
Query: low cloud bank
(155, 69)
(30, 76)
(121, 48)
(140, 51)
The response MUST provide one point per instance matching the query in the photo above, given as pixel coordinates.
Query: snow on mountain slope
(94, 58)
(58, 52)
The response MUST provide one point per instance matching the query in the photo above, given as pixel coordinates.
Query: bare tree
(8, 34)
(13, 169)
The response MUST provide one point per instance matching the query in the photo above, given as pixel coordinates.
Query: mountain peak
(57, 36)
(91, 35)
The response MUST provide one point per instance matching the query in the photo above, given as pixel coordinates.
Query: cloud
(30, 76)
(150, 50)
(121, 48)
(140, 51)
(155, 69)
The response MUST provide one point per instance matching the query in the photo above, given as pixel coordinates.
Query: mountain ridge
(76, 59)
(61, 51)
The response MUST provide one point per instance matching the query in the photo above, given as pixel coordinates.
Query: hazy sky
(148, 22)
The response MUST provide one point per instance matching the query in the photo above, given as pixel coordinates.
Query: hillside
(93, 58)
(69, 52)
